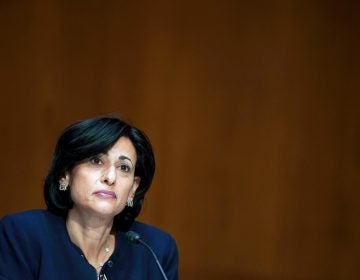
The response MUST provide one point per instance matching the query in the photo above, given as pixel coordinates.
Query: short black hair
(91, 137)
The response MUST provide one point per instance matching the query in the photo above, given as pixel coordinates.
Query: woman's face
(101, 185)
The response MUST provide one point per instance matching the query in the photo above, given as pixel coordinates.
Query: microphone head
(132, 237)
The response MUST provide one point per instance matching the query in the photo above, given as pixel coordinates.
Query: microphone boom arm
(135, 238)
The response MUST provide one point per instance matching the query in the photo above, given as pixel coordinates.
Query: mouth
(105, 194)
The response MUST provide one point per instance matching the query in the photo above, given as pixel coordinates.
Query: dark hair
(91, 137)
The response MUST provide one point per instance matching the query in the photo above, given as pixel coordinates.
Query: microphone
(134, 237)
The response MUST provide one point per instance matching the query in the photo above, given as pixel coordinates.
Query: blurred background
(252, 108)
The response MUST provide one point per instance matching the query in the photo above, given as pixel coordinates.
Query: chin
(107, 210)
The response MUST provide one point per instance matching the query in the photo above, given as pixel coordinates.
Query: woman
(100, 172)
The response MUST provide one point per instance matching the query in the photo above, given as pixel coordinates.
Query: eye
(96, 160)
(125, 167)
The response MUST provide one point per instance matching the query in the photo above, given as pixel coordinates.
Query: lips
(105, 194)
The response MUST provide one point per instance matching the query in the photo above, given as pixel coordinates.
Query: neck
(92, 235)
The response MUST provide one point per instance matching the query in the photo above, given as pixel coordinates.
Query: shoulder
(22, 231)
(23, 236)
(28, 220)
(25, 216)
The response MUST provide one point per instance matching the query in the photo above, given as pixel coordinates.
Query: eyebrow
(125, 157)
(122, 157)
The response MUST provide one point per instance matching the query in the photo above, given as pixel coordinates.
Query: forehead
(123, 146)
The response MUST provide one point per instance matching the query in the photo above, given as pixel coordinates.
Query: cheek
(82, 184)
(125, 188)
(83, 178)
(78, 190)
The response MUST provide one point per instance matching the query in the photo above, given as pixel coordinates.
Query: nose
(109, 176)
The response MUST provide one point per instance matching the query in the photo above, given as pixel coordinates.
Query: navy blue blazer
(35, 245)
